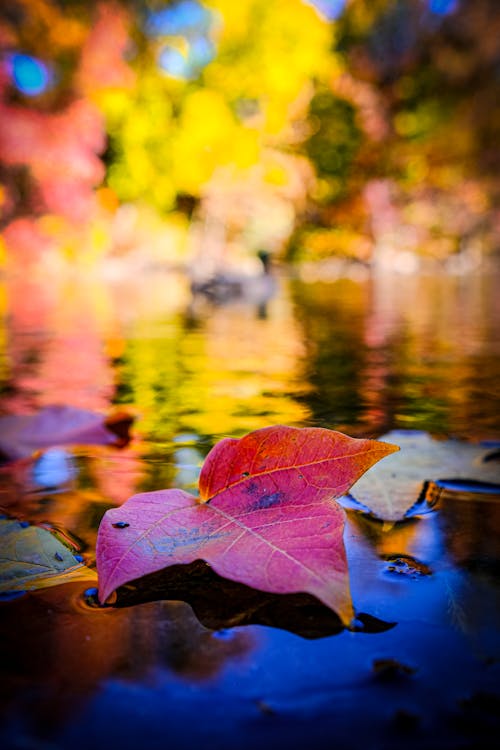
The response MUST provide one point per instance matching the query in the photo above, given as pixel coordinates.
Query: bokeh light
(174, 63)
(184, 17)
(30, 75)
(304, 106)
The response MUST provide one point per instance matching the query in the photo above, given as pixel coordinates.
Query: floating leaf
(33, 558)
(394, 486)
(22, 435)
(268, 518)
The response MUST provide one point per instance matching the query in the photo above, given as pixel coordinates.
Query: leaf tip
(346, 613)
(389, 447)
(106, 595)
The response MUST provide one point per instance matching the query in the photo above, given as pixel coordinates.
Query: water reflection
(224, 374)
(365, 355)
(56, 343)
(362, 355)
(55, 655)
(413, 351)
(359, 355)
(68, 670)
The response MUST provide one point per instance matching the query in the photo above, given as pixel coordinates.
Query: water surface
(363, 356)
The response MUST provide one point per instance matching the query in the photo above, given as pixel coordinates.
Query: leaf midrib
(297, 467)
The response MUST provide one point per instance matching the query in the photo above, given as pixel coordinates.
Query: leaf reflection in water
(219, 603)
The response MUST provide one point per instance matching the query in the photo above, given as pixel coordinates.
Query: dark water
(361, 356)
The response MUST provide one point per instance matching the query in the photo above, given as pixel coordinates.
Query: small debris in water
(265, 708)
(120, 525)
(406, 565)
(78, 558)
(58, 556)
(90, 597)
(391, 668)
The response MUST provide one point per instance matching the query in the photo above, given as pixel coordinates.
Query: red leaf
(270, 523)
(327, 460)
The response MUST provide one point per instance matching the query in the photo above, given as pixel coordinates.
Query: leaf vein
(252, 474)
(270, 544)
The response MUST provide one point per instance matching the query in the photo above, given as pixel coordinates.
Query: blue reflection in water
(321, 694)
(277, 689)
(30, 76)
(443, 7)
(54, 468)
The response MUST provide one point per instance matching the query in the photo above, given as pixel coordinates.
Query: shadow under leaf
(219, 603)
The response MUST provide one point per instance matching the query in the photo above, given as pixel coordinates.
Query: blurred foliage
(171, 134)
(363, 121)
(334, 141)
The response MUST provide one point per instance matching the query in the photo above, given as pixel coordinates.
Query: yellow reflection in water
(225, 374)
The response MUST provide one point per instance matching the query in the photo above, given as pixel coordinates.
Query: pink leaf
(21, 436)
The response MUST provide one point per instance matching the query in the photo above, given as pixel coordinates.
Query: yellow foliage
(171, 135)
(207, 116)
(268, 52)
(276, 174)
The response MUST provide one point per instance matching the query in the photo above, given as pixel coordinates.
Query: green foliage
(335, 139)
